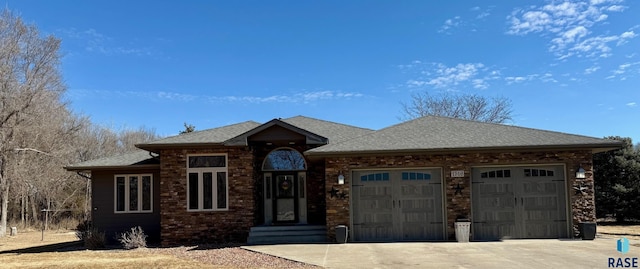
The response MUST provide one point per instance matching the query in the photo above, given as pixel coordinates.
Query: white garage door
(397, 205)
(519, 202)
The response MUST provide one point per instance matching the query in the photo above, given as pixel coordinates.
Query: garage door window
(415, 176)
(375, 177)
(538, 173)
(496, 174)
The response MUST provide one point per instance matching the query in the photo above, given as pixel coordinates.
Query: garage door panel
(412, 199)
(494, 230)
(528, 204)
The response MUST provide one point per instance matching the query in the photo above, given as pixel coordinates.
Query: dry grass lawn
(60, 249)
(628, 231)
(27, 250)
(48, 257)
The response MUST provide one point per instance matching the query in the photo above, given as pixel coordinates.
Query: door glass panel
(285, 202)
(284, 186)
(286, 210)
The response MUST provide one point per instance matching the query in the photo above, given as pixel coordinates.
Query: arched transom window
(284, 159)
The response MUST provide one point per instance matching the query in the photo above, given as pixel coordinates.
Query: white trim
(127, 197)
(214, 191)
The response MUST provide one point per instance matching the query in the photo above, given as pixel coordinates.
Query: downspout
(87, 195)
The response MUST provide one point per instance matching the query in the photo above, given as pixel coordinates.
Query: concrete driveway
(519, 254)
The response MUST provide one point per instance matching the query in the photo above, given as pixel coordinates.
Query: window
(286, 159)
(207, 182)
(375, 177)
(538, 173)
(133, 193)
(415, 176)
(496, 174)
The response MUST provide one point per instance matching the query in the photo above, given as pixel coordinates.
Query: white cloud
(449, 24)
(632, 104)
(622, 70)
(300, 97)
(91, 40)
(591, 70)
(441, 76)
(546, 77)
(568, 26)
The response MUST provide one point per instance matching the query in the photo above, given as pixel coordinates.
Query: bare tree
(30, 82)
(465, 106)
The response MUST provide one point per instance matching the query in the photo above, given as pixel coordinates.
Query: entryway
(519, 202)
(284, 181)
(397, 205)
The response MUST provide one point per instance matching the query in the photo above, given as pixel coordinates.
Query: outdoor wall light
(341, 179)
(581, 173)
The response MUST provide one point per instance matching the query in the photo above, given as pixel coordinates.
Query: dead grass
(61, 249)
(631, 231)
(27, 250)
(108, 259)
(12, 254)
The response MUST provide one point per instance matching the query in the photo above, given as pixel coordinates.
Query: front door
(285, 202)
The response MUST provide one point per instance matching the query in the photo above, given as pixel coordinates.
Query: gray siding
(104, 217)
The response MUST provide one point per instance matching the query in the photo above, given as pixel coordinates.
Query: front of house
(407, 182)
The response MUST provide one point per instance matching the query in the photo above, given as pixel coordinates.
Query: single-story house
(295, 179)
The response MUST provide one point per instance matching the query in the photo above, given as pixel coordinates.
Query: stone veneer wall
(582, 205)
(178, 226)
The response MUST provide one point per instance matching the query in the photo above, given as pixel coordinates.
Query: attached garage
(397, 205)
(519, 202)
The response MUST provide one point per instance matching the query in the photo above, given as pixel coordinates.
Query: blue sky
(568, 66)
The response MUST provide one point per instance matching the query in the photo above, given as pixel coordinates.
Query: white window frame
(214, 170)
(127, 195)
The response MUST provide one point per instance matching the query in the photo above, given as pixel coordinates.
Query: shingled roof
(429, 133)
(137, 159)
(433, 133)
(335, 132)
(205, 137)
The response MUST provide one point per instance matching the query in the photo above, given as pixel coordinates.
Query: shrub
(82, 229)
(94, 239)
(134, 238)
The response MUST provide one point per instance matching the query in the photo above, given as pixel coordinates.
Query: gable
(278, 131)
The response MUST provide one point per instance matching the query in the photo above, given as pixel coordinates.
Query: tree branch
(34, 150)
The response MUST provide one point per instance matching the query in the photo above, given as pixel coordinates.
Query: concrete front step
(287, 234)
